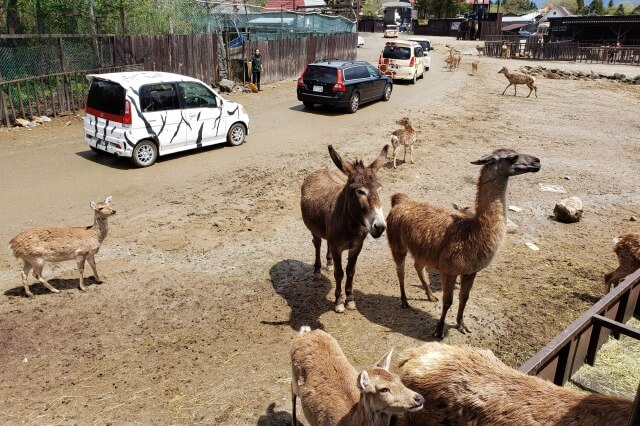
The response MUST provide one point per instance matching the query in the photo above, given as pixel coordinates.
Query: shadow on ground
(61, 284)
(275, 418)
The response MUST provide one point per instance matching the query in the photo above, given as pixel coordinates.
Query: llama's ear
(363, 380)
(385, 361)
(93, 205)
(108, 200)
(345, 167)
(381, 160)
(487, 159)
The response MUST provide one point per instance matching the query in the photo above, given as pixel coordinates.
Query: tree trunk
(94, 33)
(14, 26)
(39, 18)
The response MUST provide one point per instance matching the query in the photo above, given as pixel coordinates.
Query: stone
(512, 228)
(532, 246)
(633, 219)
(546, 187)
(226, 85)
(568, 210)
(22, 122)
(515, 209)
(618, 76)
(42, 119)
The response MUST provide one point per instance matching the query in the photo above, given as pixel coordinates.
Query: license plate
(318, 89)
(101, 142)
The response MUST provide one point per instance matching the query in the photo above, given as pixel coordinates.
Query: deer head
(103, 209)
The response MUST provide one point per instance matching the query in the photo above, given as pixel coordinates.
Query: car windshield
(106, 96)
(320, 74)
(396, 52)
(392, 27)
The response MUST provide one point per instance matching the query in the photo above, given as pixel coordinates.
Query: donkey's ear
(385, 361)
(381, 160)
(487, 159)
(93, 205)
(345, 167)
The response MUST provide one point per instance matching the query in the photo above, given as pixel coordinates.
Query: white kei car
(143, 115)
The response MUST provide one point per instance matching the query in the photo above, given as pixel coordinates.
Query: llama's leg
(92, 263)
(351, 271)
(399, 257)
(80, 262)
(612, 279)
(329, 260)
(425, 284)
(338, 274)
(466, 281)
(37, 269)
(317, 242)
(26, 268)
(448, 283)
(505, 89)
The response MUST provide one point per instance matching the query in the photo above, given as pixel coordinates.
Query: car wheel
(97, 151)
(387, 92)
(354, 103)
(307, 104)
(415, 78)
(145, 154)
(236, 134)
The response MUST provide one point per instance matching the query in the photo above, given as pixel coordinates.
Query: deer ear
(385, 361)
(363, 380)
(381, 160)
(93, 205)
(345, 167)
(487, 159)
(108, 200)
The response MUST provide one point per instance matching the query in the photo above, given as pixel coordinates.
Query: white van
(143, 115)
(402, 60)
(426, 49)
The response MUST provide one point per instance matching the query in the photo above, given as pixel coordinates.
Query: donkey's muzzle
(377, 230)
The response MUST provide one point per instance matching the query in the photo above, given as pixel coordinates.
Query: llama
(406, 137)
(36, 246)
(468, 386)
(627, 249)
(342, 211)
(474, 67)
(516, 78)
(333, 393)
(455, 243)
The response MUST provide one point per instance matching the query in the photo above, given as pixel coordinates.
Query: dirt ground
(208, 266)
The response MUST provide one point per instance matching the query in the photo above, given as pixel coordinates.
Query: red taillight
(126, 118)
(300, 79)
(123, 119)
(339, 86)
(412, 62)
(380, 59)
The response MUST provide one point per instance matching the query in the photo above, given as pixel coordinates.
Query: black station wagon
(345, 84)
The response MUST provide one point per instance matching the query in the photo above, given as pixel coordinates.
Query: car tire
(145, 153)
(354, 103)
(236, 135)
(415, 78)
(387, 92)
(307, 104)
(97, 151)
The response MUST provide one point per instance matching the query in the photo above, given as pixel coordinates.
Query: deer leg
(26, 268)
(411, 153)
(37, 269)
(317, 242)
(448, 283)
(394, 156)
(404, 159)
(351, 271)
(80, 263)
(92, 263)
(505, 89)
(425, 284)
(515, 89)
(466, 281)
(338, 274)
(329, 260)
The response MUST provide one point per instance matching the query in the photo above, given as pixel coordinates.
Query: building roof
(292, 4)
(512, 27)
(528, 18)
(478, 1)
(397, 4)
(591, 20)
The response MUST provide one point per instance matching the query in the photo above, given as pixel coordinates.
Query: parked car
(391, 31)
(402, 60)
(347, 84)
(143, 115)
(360, 41)
(426, 49)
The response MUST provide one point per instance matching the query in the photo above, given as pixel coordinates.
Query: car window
(396, 52)
(106, 96)
(350, 73)
(373, 72)
(419, 51)
(195, 95)
(326, 75)
(362, 72)
(159, 97)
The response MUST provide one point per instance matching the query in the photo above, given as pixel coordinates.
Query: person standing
(256, 67)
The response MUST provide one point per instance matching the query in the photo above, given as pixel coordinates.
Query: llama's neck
(101, 226)
(491, 203)
(365, 414)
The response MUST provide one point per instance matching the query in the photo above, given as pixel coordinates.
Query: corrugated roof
(512, 27)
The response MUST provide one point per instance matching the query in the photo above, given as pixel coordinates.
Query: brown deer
(516, 78)
(627, 249)
(474, 67)
(332, 392)
(462, 385)
(455, 243)
(36, 246)
(405, 137)
(343, 211)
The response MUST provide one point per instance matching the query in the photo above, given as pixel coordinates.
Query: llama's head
(507, 162)
(103, 208)
(404, 121)
(363, 190)
(383, 392)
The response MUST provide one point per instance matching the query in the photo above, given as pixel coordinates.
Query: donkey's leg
(26, 268)
(338, 274)
(466, 281)
(92, 262)
(329, 260)
(351, 271)
(317, 242)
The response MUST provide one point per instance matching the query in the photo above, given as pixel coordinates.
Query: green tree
(579, 6)
(370, 9)
(610, 4)
(620, 10)
(517, 6)
(596, 7)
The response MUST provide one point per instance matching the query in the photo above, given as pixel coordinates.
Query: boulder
(226, 85)
(568, 210)
(42, 119)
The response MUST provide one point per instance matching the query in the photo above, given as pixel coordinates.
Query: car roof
(334, 63)
(135, 79)
(401, 43)
(418, 38)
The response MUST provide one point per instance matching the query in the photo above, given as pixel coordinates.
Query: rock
(545, 187)
(226, 85)
(515, 209)
(568, 210)
(512, 228)
(566, 177)
(42, 119)
(618, 76)
(67, 123)
(22, 122)
(633, 219)
(532, 246)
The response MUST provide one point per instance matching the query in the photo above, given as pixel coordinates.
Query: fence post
(63, 68)
(3, 105)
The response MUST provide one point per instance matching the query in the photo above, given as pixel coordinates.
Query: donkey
(342, 211)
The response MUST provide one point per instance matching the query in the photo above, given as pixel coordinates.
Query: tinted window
(419, 51)
(326, 75)
(159, 97)
(396, 52)
(373, 72)
(362, 72)
(350, 73)
(106, 96)
(195, 95)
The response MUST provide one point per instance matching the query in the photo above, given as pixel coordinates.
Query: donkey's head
(363, 191)
(384, 392)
